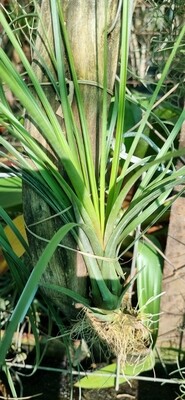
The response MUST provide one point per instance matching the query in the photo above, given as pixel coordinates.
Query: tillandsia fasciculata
(77, 173)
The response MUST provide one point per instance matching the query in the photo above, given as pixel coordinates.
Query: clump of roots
(125, 334)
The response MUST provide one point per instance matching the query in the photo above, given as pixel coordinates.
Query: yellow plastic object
(14, 241)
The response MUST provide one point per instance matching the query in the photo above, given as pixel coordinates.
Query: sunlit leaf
(105, 377)
(149, 280)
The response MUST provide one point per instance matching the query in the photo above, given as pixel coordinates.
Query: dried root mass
(125, 334)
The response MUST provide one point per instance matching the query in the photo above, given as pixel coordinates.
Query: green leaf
(125, 32)
(105, 377)
(149, 280)
(73, 295)
(109, 232)
(30, 289)
(132, 115)
(10, 192)
(85, 144)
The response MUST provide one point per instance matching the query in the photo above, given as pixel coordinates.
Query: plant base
(124, 334)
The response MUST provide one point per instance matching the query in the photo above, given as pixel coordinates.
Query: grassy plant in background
(83, 176)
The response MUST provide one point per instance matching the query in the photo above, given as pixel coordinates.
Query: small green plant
(89, 198)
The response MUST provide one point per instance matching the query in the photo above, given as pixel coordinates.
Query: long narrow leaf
(84, 127)
(118, 203)
(149, 109)
(149, 281)
(30, 289)
(126, 26)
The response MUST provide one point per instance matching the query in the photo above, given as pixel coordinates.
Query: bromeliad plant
(85, 179)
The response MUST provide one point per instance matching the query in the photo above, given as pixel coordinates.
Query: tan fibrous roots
(126, 334)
